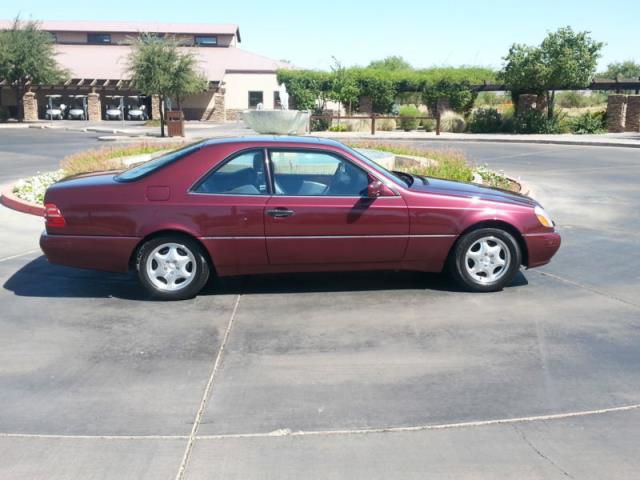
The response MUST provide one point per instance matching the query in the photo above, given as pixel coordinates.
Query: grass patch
(446, 164)
(109, 158)
(32, 189)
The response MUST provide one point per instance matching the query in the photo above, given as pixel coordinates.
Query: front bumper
(541, 247)
(111, 254)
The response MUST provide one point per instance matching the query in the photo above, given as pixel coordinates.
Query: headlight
(543, 217)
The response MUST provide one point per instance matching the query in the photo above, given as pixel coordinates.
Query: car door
(230, 203)
(319, 212)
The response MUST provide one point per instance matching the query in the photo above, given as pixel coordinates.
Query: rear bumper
(542, 247)
(109, 254)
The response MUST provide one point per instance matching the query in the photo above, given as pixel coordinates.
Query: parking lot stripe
(205, 395)
(419, 428)
(94, 437)
(11, 257)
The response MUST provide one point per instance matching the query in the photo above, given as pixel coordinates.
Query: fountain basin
(277, 122)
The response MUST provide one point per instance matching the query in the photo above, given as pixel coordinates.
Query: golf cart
(136, 108)
(55, 108)
(114, 107)
(78, 108)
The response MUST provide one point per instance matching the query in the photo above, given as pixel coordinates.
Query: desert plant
(452, 122)
(535, 121)
(408, 121)
(589, 123)
(429, 124)
(339, 127)
(485, 120)
(386, 125)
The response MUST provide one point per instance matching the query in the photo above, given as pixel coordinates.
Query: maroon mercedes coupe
(285, 204)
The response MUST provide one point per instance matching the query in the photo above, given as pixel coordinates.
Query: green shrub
(319, 124)
(429, 124)
(339, 127)
(534, 121)
(589, 123)
(485, 120)
(452, 122)
(407, 123)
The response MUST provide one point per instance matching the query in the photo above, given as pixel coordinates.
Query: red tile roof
(133, 27)
(110, 61)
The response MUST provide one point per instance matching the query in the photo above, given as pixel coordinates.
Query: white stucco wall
(238, 86)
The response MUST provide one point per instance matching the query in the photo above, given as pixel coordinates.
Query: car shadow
(39, 278)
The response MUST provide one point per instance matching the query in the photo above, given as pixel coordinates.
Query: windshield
(394, 177)
(157, 163)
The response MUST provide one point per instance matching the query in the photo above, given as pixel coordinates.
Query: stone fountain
(277, 122)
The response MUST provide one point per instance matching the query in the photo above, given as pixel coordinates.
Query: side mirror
(375, 189)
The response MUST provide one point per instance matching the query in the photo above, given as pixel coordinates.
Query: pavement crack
(587, 288)
(206, 393)
(538, 452)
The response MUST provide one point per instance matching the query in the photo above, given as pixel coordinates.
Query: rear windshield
(151, 166)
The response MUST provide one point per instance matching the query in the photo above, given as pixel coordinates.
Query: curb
(9, 200)
(574, 143)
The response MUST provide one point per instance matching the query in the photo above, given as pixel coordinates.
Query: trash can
(175, 123)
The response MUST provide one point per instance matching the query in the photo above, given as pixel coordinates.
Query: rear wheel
(172, 267)
(485, 260)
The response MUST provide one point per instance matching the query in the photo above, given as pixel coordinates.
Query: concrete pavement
(355, 375)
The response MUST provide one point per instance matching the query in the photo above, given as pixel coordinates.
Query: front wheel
(172, 267)
(485, 260)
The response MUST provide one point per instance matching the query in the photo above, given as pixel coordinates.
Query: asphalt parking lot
(363, 375)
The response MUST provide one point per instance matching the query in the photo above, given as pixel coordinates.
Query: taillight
(53, 216)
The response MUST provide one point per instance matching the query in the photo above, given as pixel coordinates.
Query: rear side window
(157, 163)
(242, 175)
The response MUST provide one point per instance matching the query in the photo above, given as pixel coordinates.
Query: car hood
(470, 190)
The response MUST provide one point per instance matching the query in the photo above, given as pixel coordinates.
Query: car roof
(274, 139)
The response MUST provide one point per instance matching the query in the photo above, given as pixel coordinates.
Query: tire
(485, 260)
(172, 267)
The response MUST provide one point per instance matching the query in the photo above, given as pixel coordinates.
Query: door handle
(280, 212)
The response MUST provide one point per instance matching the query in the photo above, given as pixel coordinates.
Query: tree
(564, 60)
(393, 63)
(159, 67)
(626, 69)
(27, 56)
(344, 88)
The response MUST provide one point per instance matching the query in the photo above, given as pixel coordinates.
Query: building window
(206, 40)
(99, 38)
(255, 98)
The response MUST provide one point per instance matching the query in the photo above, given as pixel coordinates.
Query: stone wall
(233, 114)
(632, 118)
(94, 107)
(30, 105)
(616, 113)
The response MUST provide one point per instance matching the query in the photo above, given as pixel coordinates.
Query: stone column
(616, 113)
(155, 107)
(219, 110)
(94, 107)
(632, 123)
(30, 107)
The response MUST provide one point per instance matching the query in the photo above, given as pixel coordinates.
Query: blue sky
(426, 32)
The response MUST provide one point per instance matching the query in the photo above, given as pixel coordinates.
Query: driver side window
(310, 173)
(242, 175)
